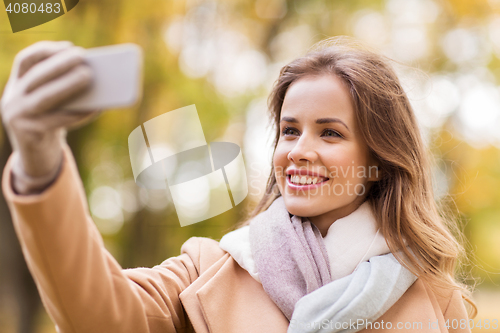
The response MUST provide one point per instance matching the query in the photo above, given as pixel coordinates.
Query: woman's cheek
(280, 161)
(279, 170)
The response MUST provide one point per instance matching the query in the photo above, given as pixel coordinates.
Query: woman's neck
(324, 221)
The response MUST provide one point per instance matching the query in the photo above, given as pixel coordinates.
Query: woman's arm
(82, 286)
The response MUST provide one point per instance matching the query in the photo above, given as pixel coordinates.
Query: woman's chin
(303, 206)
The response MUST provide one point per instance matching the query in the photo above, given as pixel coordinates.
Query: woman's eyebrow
(318, 121)
(331, 120)
(289, 119)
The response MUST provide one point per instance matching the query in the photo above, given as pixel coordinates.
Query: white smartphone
(117, 79)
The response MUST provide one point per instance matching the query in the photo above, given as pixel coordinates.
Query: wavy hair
(416, 231)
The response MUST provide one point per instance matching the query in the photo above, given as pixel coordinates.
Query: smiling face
(321, 162)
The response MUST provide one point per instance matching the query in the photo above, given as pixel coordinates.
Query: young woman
(346, 238)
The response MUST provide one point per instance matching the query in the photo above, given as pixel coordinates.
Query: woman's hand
(43, 77)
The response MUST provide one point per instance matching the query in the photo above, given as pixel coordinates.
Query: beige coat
(84, 289)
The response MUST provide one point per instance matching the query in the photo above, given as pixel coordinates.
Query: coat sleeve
(455, 315)
(82, 286)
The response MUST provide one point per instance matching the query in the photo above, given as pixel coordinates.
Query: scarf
(289, 257)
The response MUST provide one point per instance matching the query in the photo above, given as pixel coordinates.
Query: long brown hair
(403, 201)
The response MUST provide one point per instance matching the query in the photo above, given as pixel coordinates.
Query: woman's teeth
(303, 180)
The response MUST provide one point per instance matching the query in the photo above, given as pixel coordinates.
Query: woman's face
(322, 165)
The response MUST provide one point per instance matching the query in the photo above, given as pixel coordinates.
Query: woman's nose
(303, 151)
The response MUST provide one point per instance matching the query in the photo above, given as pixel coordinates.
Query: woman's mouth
(302, 182)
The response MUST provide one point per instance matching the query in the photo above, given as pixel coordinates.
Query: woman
(349, 194)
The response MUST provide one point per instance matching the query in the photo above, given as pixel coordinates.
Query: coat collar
(418, 309)
(226, 299)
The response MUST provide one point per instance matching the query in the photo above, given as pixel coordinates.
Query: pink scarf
(289, 255)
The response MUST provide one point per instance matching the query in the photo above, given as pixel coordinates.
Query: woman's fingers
(52, 94)
(56, 120)
(52, 67)
(35, 53)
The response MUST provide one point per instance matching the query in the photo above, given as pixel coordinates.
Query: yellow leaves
(474, 174)
(471, 8)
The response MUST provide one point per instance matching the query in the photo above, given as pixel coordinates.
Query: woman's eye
(332, 133)
(289, 131)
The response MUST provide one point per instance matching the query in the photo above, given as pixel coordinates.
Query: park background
(224, 56)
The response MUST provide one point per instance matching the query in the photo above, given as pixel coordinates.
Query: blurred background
(224, 57)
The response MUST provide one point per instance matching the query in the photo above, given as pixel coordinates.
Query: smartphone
(117, 81)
